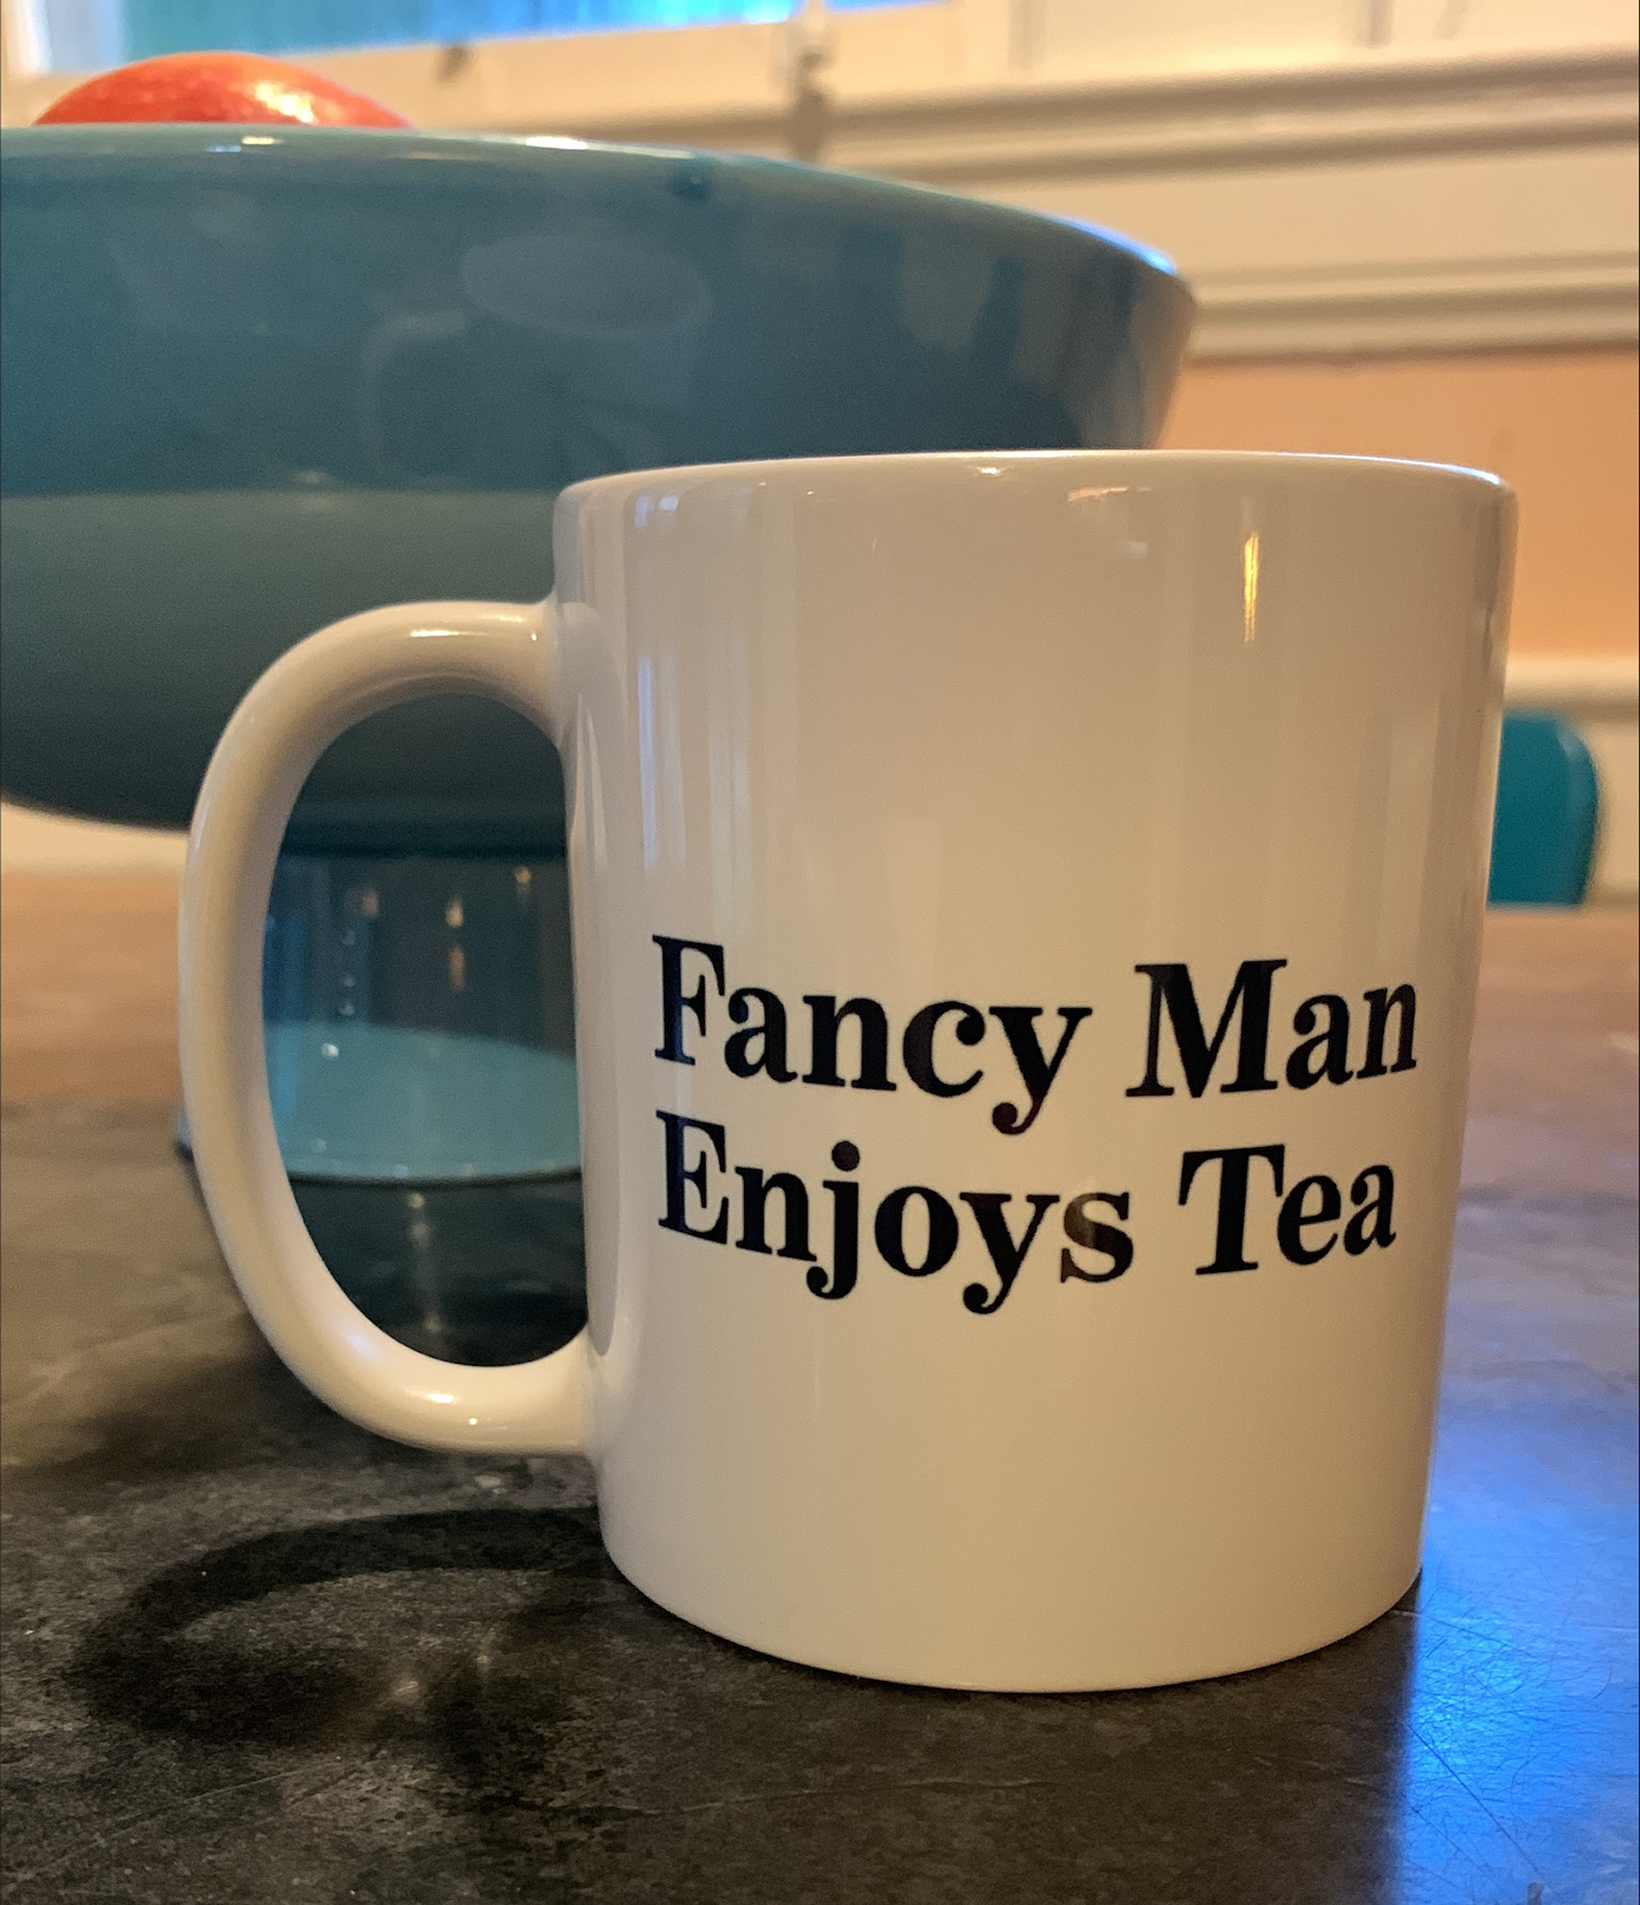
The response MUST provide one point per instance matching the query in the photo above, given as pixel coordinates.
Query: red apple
(238, 89)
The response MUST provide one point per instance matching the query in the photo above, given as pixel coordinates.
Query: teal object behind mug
(253, 381)
(1547, 815)
(257, 379)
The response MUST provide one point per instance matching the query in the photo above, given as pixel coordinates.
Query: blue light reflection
(142, 28)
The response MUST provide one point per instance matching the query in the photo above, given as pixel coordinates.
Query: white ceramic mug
(1026, 923)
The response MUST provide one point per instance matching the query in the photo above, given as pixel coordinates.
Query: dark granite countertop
(252, 1653)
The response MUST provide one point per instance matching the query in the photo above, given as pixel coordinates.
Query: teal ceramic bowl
(257, 378)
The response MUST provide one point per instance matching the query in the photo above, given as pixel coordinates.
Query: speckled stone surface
(253, 1654)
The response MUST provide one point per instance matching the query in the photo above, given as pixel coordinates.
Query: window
(83, 35)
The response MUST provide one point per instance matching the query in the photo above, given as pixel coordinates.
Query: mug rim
(1007, 462)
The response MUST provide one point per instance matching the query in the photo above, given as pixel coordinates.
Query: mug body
(1027, 913)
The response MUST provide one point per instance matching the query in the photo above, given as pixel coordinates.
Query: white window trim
(575, 82)
(961, 70)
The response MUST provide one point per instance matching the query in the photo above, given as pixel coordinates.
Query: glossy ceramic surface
(1026, 920)
(255, 380)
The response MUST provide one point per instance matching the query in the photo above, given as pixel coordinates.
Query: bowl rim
(292, 150)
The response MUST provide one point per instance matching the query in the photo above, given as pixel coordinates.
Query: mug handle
(315, 690)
